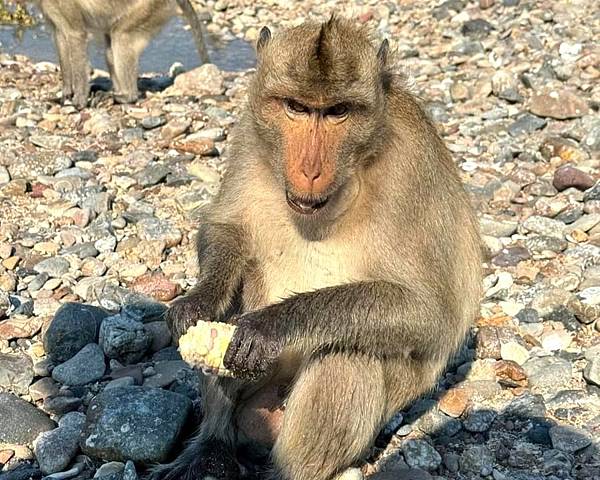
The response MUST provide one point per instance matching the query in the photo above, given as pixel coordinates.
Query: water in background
(173, 44)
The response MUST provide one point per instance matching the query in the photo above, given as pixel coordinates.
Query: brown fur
(358, 306)
(126, 26)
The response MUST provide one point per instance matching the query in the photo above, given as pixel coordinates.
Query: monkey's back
(103, 16)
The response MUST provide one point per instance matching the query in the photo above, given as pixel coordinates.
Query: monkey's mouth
(303, 206)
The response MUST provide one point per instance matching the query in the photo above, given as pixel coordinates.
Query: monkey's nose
(311, 172)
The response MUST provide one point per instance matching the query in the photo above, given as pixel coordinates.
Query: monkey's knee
(322, 434)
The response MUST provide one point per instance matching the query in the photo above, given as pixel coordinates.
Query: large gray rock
(592, 371)
(569, 439)
(55, 449)
(85, 367)
(55, 267)
(16, 373)
(74, 326)
(548, 372)
(134, 423)
(420, 454)
(477, 459)
(21, 422)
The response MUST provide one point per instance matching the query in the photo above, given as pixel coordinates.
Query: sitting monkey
(127, 27)
(341, 245)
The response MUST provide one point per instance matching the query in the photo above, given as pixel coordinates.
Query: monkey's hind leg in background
(197, 28)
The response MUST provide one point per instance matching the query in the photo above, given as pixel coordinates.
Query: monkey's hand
(251, 353)
(184, 313)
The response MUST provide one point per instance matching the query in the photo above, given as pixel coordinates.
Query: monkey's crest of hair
(328, 59)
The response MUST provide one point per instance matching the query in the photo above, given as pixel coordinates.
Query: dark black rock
(59, 405)
(511, 256)
(592, 193)
(526, 123)
(84, 367)
(131, 135)
(20, 305)
(540, 432)
(74, 326)
(527, 406)
(134, 423)
(511, 95)
(124, 338)
(21, 421)
(570, 214)
(565, 316)
(152, 174)
(479, 420)
(529, 315)
(85, 156)
(476, 28)
(143, 309)
(169, 353)
(24, 471)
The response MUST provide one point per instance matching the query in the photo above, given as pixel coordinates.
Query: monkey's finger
(240, 360)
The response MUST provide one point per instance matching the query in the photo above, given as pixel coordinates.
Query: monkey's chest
(289, 269)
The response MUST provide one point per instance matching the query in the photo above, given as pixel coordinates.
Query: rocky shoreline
(97, 222)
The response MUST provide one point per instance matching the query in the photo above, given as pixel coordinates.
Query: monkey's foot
(126, 98)
(206, 461)
(204, 346)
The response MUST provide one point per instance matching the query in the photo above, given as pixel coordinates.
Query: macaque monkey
(343, 247)
(127, 27)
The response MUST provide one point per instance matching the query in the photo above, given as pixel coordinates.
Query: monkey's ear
(382, 54)
(263, 38)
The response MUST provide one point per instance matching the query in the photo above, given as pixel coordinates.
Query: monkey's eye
(294, 107)
(339, 110)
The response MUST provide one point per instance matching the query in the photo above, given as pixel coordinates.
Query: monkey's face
(318, 101)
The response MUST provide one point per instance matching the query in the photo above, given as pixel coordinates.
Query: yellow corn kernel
(204, 346)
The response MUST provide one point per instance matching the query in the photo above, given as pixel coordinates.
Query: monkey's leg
(110, 59)
(211, 453)
(72, 56)
(127, 46)
(332, 417)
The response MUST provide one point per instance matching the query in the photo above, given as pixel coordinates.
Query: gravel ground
(97, 215)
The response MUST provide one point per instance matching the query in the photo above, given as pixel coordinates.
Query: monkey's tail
(197, 28)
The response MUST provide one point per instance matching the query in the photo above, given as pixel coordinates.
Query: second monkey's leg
(127, 47)
(71, 46)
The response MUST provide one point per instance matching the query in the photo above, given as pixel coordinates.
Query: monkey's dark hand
(184, 313)
(251, 353)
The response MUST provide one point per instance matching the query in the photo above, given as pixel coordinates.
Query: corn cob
(204, 346)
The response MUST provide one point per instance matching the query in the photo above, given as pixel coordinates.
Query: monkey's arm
(382, 319)
(222, 258)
